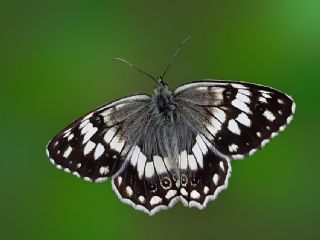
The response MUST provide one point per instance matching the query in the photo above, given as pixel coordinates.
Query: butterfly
(174, 145)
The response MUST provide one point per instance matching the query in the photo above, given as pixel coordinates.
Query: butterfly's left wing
(236, 117)
(94, 147)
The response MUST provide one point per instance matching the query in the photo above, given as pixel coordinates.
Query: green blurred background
(56, 64)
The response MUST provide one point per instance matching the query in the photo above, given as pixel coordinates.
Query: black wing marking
(94, 146)
(238, 118)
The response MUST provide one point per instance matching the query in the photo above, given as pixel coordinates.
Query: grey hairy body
(160, 129)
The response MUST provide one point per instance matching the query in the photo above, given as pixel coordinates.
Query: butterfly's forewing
(93, 147)
(238, 118)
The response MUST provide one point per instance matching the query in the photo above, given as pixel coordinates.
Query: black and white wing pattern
(94, 147)
(147, 183)
(155, 183)
(170, 147)
(204, 173)
(236, 117)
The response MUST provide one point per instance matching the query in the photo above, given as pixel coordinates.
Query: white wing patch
(269, 115)
(110, 134)
(88, 147)
(244, 119)
(117, 144)
(218, 114)
(184, 160)
(233, 127)
(99, 151)
(141, 163)
(241, 106)
(149, 170)
(159, 165)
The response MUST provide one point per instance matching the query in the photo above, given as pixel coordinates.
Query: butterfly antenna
(172, 60)
(137, 69)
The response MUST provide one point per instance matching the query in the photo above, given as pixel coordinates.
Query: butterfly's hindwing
(155, 184)
(93, 147)
(238, 118)
(204, 173)
(147, 186)
(147, 183)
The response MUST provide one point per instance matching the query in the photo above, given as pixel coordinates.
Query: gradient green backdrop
(56, 65)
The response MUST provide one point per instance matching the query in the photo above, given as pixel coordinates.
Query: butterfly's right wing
(236, 117)
(95, 146)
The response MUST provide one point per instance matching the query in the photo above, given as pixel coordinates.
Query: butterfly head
(162, 88)
(161, 83)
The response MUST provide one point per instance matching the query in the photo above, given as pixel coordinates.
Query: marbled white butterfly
(172, 146)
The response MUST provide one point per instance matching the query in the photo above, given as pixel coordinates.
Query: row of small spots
(155, 200)
(103, 171)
